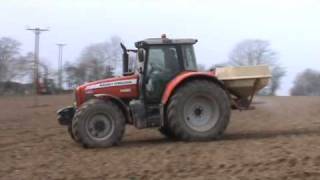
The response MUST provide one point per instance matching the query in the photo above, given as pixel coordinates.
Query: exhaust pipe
(125, 60)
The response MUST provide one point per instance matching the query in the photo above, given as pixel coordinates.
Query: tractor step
(145, 116)
(153, 121)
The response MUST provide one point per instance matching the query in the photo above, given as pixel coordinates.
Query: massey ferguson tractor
(165, 91)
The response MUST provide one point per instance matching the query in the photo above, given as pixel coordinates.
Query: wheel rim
(201, 113)
(100, 127)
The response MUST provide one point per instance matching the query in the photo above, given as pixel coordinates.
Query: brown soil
(280, 139)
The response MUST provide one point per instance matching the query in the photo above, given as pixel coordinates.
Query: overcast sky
(291, 26)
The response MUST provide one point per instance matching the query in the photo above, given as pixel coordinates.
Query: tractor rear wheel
(198, 110)
(98, 123)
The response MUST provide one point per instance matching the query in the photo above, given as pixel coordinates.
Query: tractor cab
(160, 60)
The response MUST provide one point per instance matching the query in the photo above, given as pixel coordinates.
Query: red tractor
(166, 91)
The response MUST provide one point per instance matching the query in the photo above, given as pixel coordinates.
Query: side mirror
(141, 55)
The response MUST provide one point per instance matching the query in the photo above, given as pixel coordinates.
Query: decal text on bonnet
(112, 84)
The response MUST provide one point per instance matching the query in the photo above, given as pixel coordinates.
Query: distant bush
(14, 88)
(307, 83)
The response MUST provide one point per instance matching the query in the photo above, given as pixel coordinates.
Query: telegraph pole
(37, 32)
(60, 64)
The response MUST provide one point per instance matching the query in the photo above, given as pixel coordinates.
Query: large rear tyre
(98, 123)
(199, 110)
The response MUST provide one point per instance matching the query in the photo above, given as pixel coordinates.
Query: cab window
(189, 57)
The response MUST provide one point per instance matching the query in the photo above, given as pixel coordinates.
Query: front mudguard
(65, 115)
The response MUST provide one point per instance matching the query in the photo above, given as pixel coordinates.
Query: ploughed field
(280, 139)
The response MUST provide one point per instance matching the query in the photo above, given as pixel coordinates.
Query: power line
(37, 32)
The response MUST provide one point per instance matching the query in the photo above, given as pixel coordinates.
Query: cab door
(162, 66)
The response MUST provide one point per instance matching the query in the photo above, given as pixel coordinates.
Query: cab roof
(164, 41)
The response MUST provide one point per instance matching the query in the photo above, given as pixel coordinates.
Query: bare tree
(25, 67)
(75, 74)
(13, 65)
(100, 58)
(109, 72)
(9, 56)
(258, 52)
(307, 83)
(97, 61)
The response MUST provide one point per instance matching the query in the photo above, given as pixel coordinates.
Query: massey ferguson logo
(112, 84)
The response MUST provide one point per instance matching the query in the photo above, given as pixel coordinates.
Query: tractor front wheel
(70, 133)
(199, 110)
(98, 123)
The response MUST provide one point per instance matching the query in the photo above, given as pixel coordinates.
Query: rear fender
(123, 106)
(174, 84)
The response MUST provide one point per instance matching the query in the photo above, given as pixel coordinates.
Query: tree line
(258, 52)
(96, 61)
(14, 65)
(103, 60)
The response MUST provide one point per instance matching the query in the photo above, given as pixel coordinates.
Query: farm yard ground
(280, 139)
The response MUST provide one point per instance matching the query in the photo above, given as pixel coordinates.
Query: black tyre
(198, 110)
(70, 132)
(98, 123)
(167, 132)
